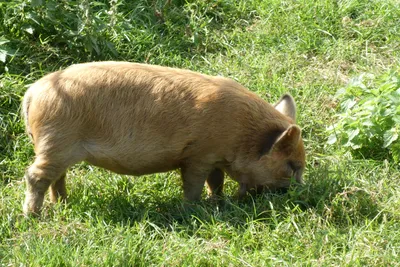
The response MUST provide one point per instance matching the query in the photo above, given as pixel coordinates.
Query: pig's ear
(287, 106)
(288, 140)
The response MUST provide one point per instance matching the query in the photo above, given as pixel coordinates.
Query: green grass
(346, 214)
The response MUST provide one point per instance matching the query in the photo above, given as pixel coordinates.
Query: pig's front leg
(215, 183)
(242, 190)
(194, 177)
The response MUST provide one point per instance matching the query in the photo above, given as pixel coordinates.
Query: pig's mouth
(254, 190)
(260, 189)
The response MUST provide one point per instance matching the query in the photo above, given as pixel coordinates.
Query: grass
(347, 213)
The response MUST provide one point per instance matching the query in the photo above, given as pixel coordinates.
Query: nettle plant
(368, 120)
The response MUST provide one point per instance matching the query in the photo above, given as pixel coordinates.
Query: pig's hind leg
(48, 170)
(58, 190)
(39, 176)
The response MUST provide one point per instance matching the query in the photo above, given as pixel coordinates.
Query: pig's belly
(131, 168)
(133, 163)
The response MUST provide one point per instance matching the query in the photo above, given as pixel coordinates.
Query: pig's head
(281, 156)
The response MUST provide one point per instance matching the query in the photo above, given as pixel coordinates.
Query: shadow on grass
(333, 192)
(329, 193)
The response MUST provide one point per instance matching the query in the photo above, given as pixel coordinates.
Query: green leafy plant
(5, 50)
(369, 116)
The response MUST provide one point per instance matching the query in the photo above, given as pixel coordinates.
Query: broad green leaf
(340, 92)
(36, 2)
(3, 40)
(396, 118)
(29, 29)
(348, 104)
(395, 150)
(357, 82)
(355, 146)
(368, 122)
(353, 133)
(332, 139)
(394, 98)
(389, 111)
(389, 137)
(331, 127)
(3, 56)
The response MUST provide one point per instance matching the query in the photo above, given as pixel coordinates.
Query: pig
(138, 119)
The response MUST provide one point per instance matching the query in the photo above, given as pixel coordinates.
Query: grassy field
(346, 214)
